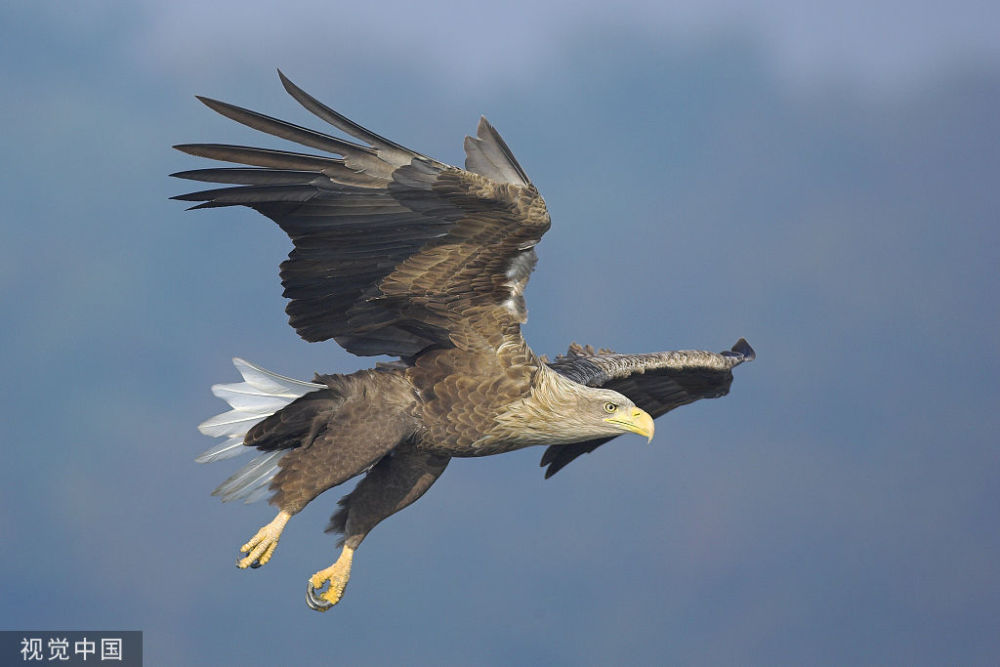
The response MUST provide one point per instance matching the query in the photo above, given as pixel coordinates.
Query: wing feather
(244, 176)
(285, 130)
(390, 150)
(487, 154)
(394, 252)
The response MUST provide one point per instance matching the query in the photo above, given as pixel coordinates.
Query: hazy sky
(820, 179)
(876, 42)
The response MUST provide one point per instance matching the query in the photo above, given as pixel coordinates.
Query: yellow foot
(261, 546)
(337, 576)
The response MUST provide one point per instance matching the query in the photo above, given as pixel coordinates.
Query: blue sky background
(821, 179)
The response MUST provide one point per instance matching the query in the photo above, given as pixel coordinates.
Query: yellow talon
(337, 576)
(261, 546)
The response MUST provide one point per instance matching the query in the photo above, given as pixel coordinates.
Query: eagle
(395, 253)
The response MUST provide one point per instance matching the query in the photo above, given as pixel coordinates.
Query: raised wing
(657, 383)
(394, 252)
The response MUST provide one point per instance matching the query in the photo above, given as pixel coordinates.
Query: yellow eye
(610, 407)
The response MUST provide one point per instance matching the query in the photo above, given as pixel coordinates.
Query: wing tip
(553, 466)
(189, 149)
(742, 348)
(288, 84)
(285, 81)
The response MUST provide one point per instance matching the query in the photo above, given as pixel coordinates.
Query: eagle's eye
(610, 407)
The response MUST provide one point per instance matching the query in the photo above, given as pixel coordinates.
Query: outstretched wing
(394, 252)
(657, 383)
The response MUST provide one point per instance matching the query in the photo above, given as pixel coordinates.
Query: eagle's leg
(397, 481)
(330, 437)
(261, 546)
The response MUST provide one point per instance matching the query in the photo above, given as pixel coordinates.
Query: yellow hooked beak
(638, 421)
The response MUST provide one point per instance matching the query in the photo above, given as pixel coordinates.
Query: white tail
(260, 395)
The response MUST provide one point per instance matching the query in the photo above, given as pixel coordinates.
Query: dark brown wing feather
(657, 383)
(395, 252)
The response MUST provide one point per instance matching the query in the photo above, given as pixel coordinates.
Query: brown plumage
(398, 254)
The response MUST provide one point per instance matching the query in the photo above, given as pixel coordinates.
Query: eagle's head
(608, 413)
(561, 411)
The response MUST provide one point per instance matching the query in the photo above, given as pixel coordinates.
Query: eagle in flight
(398, 254)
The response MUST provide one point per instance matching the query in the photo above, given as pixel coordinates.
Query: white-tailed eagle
(396, 253)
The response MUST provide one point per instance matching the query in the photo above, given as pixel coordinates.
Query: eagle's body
(399, 254)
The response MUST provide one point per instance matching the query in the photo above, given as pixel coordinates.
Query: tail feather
(268, 382)
(222, 451)
(231, 424)
(261, 394)
(259, 490)
(250, 478)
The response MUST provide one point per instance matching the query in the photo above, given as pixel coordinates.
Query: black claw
(315, 602)
(243, 554)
